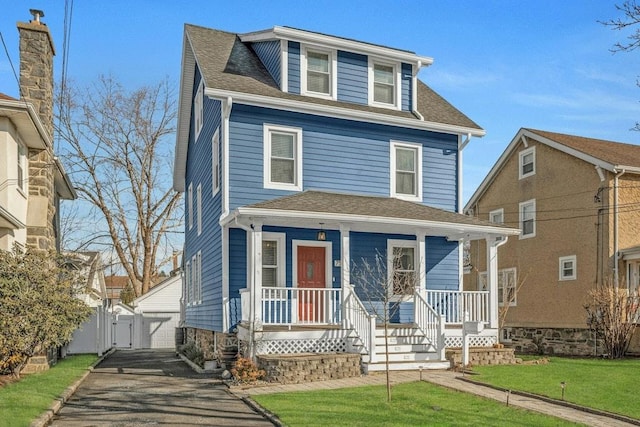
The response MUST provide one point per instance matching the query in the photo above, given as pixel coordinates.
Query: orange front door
(311, 274)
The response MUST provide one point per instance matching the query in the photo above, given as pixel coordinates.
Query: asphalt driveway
(153, 387)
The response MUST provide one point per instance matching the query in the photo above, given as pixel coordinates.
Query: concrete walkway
(447, 379)
(153, 387)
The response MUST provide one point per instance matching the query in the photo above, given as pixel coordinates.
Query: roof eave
(340, 112)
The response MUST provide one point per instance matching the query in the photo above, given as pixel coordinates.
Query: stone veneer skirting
(306, 367)
(479, 356)
(550, 341)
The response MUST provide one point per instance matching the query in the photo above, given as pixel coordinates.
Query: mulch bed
(7, 379)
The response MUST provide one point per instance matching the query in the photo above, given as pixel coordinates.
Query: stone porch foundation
(306, 367)
(554, 341)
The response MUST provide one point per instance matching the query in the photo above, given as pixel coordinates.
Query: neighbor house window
(402, 266)
(190, 205)
(527, 162)
(22, 167)
(273, 257)
(383, 84)
(567, 268)
(528, 219)
(199, 208)
(215, 162)
(318, 73)
(507, 287)
(406, 171)
(497, 216)
(198, 110)
(282, 157)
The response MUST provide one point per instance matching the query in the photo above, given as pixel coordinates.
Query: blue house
(303, 158)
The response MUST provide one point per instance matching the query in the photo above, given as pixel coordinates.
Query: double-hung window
(383, 84)
(190, 205)
(496, 216)
(507, 286)
(21, 167)
(567, 268)
(528, 219)
(199, 208)
(189, 289)
(402, 266)
(215, 162)
(527, 162)
(198, 110)
(282, 157)
(406, 171)
(318, 73)
(273, 254)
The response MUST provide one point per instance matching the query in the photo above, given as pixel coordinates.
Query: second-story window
(497, 216)
(282, 157)
(198, 110)
(527, 162)
(215, 162)
(190, 205)
(528, 219)
(406, 171)
(22, 179)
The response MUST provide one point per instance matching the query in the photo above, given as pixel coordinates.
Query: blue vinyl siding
(406, 83)
(237, 271)
(442, 264)
(269, 54)
(338, 155)
(293, 64)
(353, 77)
(208, 314)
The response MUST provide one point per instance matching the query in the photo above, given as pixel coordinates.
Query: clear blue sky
(543, 64)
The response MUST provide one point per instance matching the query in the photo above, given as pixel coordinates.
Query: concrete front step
(402, 340)
(408, 357)
(405, 366)
(404, 348)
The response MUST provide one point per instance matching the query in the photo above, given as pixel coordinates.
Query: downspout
(414, 92)
(226, 112)
(492, 277)
(461, 146)
(616, 225)
(252, 305)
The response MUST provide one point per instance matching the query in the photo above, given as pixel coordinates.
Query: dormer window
(318, 73)
(383, 84)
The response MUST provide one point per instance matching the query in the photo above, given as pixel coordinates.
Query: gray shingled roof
(371, 206)
(615, 153)
(229, 64)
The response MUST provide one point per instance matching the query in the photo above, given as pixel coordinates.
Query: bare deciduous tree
(118, 154)
(613, 312)
(381, 291)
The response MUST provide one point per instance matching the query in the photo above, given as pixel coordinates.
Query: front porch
(298, 320)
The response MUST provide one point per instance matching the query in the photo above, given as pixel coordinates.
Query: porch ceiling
(366, 213)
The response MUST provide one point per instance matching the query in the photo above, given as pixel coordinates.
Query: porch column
(421, 257)
(255, 262)
(345, 255)
(493, 243)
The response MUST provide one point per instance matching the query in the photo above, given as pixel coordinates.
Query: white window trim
(392, 168)
(199, 208)
(190, 205)
(198, 110)
(21, 153)
(397, 81)
(199, 281)
(397, 243)
(521, 217)
(333, 72)
(215, 162)
(561, 260)
(297, 185)
(280, 238)
(521, 155)
(327, 260)
(496, 212)
(482, 277)
(188, 282)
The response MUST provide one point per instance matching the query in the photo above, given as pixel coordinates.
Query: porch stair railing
(357, 318)
(429, 322)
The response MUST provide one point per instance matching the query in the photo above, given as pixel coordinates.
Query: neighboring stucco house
(576, 201)
(302, 154)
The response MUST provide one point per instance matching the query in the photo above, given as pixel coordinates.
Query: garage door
(159, 330)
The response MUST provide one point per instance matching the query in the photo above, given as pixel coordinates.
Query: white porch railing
(452, 305)
(429, 322)
(357, 317)
(301, 306)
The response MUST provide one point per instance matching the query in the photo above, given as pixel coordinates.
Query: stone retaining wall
(479, 356)
(550, 341)
(302, 367)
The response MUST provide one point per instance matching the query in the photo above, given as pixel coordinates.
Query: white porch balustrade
(301, 306)
(453, 305)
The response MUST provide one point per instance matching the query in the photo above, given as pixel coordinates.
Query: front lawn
(609, 385)
(23, 401)
(417, 403)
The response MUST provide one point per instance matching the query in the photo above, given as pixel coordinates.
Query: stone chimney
(36, 87)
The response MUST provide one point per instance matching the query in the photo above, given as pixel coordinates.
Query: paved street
(153, 387)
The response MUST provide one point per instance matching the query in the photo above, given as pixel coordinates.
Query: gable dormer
(322, 66)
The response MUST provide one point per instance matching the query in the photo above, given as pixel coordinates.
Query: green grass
(609, 385)
(413, 404)
(23, 401)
